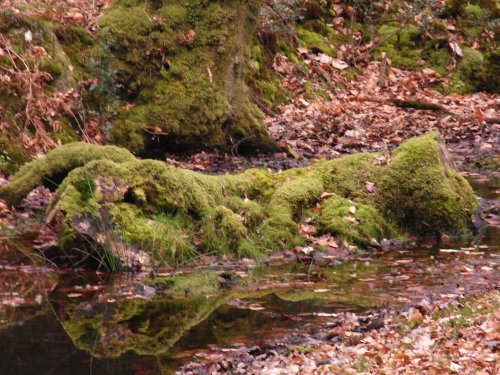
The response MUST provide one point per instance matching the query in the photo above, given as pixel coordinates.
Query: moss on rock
(171, 213)
(353, 222)
(425, 44)
(422, 192)
(400, 44)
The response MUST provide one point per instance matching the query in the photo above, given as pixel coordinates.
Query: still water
(87, 323)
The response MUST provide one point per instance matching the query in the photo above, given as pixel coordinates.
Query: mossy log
(145, 212)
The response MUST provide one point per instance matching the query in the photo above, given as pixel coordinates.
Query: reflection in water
(90, 325)
(98, 329)
(148, 327)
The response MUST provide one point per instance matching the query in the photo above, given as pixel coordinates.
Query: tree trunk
(183, 65)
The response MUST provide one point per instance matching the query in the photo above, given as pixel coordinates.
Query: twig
(264, 108)
(415, 104)
(380, 42)
(144, 10)
(234, 149)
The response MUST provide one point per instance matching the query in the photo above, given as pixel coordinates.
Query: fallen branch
(417, 104)
(264, 108)
(414, 104)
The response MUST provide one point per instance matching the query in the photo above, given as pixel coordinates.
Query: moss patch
(354, 222)
(57, 164)
(185, 71)
(170, 213)
(11, 157)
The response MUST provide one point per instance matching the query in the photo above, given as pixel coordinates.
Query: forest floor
(361, 117)
(450, 334)
(455, 332)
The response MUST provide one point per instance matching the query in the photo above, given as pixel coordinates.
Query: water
(87, 323)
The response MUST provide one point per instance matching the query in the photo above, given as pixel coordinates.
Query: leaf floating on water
(448, 250)
(256, 307)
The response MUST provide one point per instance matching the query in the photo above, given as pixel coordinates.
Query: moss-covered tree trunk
(162, 75)
(143, 212)
(182, 64)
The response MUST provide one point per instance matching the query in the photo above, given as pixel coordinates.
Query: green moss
(195, 283)
(473, 11)
(424, 194)
(76, 44)
(174, 14)
(166, 238)
(223, 231)
(312, 93)
(262, 80)
(439, 29)
(436, 58)
(57, 163)
(86, 187)
(354, 222)
(314, 41)
(475, 72)
(471, 64)
(172, 213)
(191, 83)
(285, 205)
(56, 63)
(298, 349)
(51, 67)
(11, 156)
(401, 46)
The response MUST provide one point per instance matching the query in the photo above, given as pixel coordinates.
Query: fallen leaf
(457, 50)
(415, 317)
